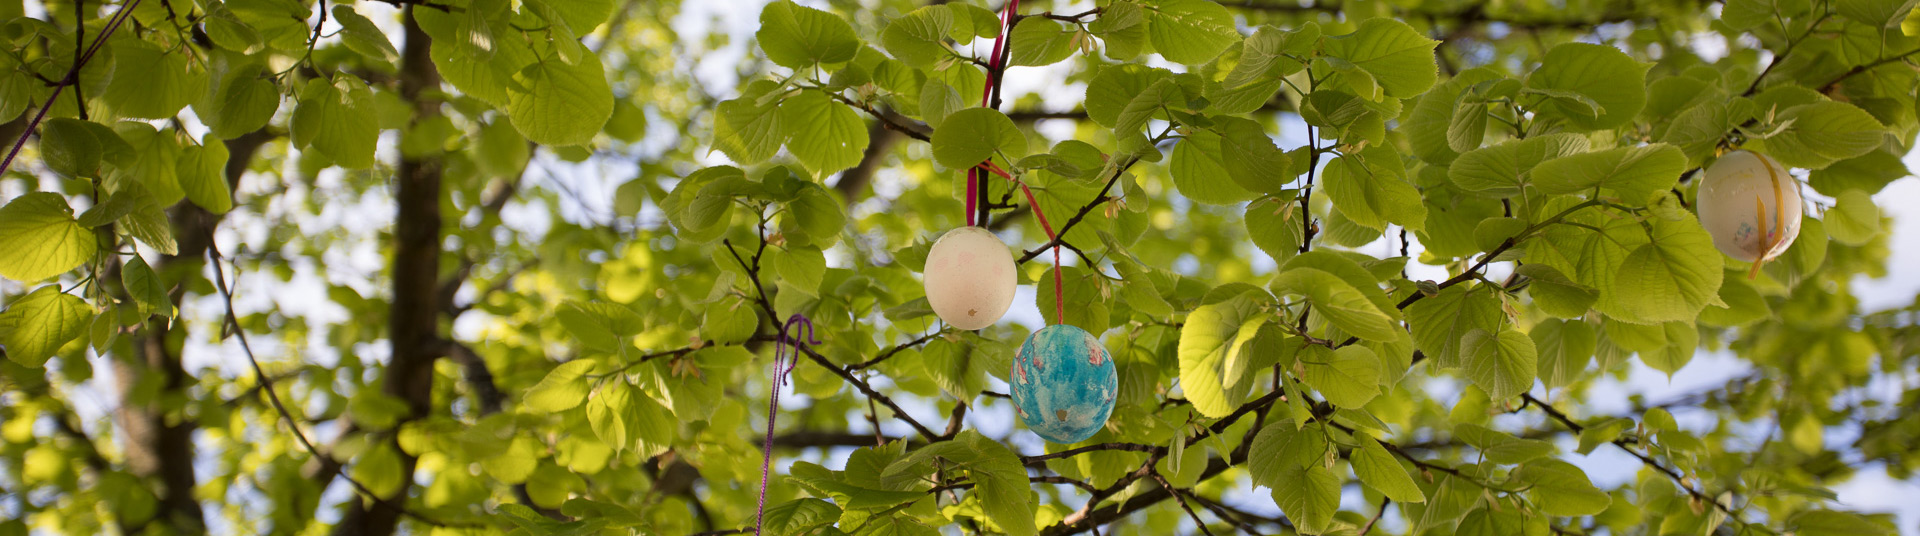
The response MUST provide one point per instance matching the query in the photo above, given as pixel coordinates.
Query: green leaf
(1501, 170)
(1344, 306)
(1488, 522)
(800, 516)
(1250, 157)
(1854, 219)
(77, 149)
(1426, 125)
(1601, 434)
(149, 82)
(803, 268)
(1671, 278)
(337, 120)
(1500, 447)
(1205, 340)
(1380, 471)
(563, 388)
(148, 221)
(1274, 224)
(601, 326)
(1565, 349)
(1397, 56)
(937, 101)
(1371, 188)
(1602, 73)
(960, 367)
(749, 128)
(826, 136)
(1115, 87)
(1634, 173)
(1281, 446)
(607, 412)
(1086, 302)
(35, 326)
(361, 35)
(1265, 54)
(42, 238)
(1309, 498)
(797, 37)
(814, 218)
(971, 136)
(1200, 173)
(1040, 41)
(971, 21)
(1468, 128)
(1122, 29)
(1441, 322)
(1001, 480)
(203, 175)
(1348, 377)
(1502, 365)
(1558, 488)
(1154, 100)
(1190, 32)
(1743, 305)
(730, 321)
(379, 470)
(1832, 523)
(1818, 134)
(919, 38)
(154, 166)
(145, 287)
(1555, 294)
(553, 103)
(243, 100)
(1868, 173)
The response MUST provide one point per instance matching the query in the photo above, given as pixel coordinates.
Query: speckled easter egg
(1750, 205)
(1064, 384)
(970, 278)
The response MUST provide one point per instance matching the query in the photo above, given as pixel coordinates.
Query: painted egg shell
(970, 278)
(1750, 205)
(1064, 384)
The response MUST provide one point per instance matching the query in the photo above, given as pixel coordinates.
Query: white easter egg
(970, 278)
(1750, 205)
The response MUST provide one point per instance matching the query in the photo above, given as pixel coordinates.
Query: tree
(480, 266)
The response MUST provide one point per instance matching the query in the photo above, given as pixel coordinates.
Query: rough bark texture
(414, 318)
(159, 441)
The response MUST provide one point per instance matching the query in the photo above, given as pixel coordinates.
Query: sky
(360, 261)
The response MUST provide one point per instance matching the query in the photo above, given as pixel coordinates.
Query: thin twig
(232, 321)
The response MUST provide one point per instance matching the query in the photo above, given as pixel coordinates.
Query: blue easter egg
(1064, 384)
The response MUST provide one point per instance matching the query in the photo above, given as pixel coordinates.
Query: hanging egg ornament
(970, 278)
(1064, 384)
(1750, 205)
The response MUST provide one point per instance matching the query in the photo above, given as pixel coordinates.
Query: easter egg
(970, 278)
(1064, 384)
(1750, 205)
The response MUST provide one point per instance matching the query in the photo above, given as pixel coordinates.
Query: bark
(414, 318)
(158, 441)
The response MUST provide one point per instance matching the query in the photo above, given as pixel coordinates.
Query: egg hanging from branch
(1750, 205)
(1064, 384)
(970, 278)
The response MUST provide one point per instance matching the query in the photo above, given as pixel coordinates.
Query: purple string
(783, 364)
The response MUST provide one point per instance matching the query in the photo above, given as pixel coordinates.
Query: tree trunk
(414, 318)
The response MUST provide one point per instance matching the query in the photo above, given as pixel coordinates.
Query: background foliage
(474, 266)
